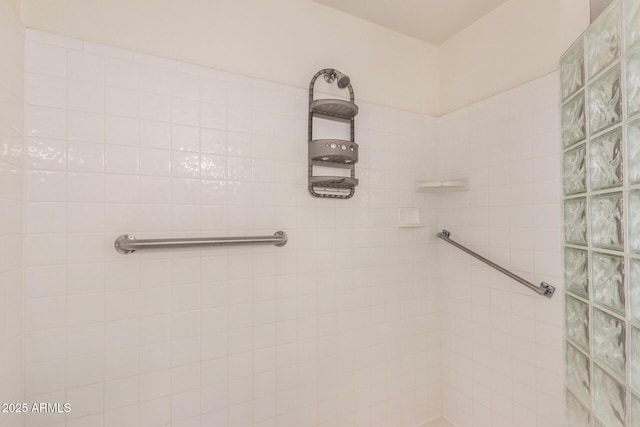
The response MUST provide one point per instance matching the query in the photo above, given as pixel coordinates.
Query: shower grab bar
(126, 244)
(544, 289)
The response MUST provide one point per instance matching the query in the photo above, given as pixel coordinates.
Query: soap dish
(409, 218)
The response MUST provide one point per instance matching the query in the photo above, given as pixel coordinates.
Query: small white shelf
(443, 186)
(409, 218)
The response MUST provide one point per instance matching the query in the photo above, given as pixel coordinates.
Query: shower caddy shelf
(333, 152)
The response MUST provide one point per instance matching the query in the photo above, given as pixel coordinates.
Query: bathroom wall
(519, 41)
(502, 344)
(11, 144)
(339, 327)
(282, 41)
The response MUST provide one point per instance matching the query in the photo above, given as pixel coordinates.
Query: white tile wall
(340, 327)
(11, 147)
(502, 347)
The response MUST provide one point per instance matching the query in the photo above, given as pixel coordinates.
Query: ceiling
(433, 21)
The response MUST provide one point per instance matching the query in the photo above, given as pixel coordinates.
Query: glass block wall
(600, 90)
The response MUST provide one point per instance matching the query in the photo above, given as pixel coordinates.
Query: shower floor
(441, 422)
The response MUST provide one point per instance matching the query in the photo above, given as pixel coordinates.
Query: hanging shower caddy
(333, 153)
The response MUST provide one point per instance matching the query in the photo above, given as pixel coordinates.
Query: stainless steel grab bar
(126, 244)
(544, 289)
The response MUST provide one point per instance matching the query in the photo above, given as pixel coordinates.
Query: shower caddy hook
(333, 153)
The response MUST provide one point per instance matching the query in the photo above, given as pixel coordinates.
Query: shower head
(342, 79)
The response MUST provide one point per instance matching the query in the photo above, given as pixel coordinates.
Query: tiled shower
(601, 137)
(356, 321)
(336, 326)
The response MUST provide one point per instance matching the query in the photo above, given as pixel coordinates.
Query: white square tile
(85, 67)
(85, 308)
(185, 191)
(85, 187)
(122, 74)
(155, 385)
(88, 399)
(121, 159)
(153, 189)
(88, 97)
(213, 141)
(46, 154)
(154, 357)
(155, 80)
(45, 122)
(85, 247)
(185, 138)
(213, 116)
(185, 164)
(85, 157)
(156, 218)
(155, 107)
(45, 217)
(76, 278)
(85, 339)
(155, 134)
(185, 85)
(156, 412)
(121, 188)
(46, 91)
(122, 335)
(86, 126)
(44, 313)
(45, 281)
(125, 416)
(44, 345)
(155, 162)
(185, 112)
(45, 377)
(85, 370)
(213, 91)
(122, 102)
(121, 131)
(46, 186)
(45, 59)
(185, 351)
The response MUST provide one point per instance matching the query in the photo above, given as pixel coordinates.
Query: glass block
(608, 281)
(634, 289)
(634, 221)
(603, 44)
(634, 359)
(634, 410)
(605, 101)
(633, 152)
(578, 322)
(577, 414)
(605, 155)
(574, 127)
(572, 69)
(631, 14)
(578, 376)
(609, 342)
(575, 170)
(576, 276)
(609, 398)
(575, 221)
(632, 66)
(606, 221)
